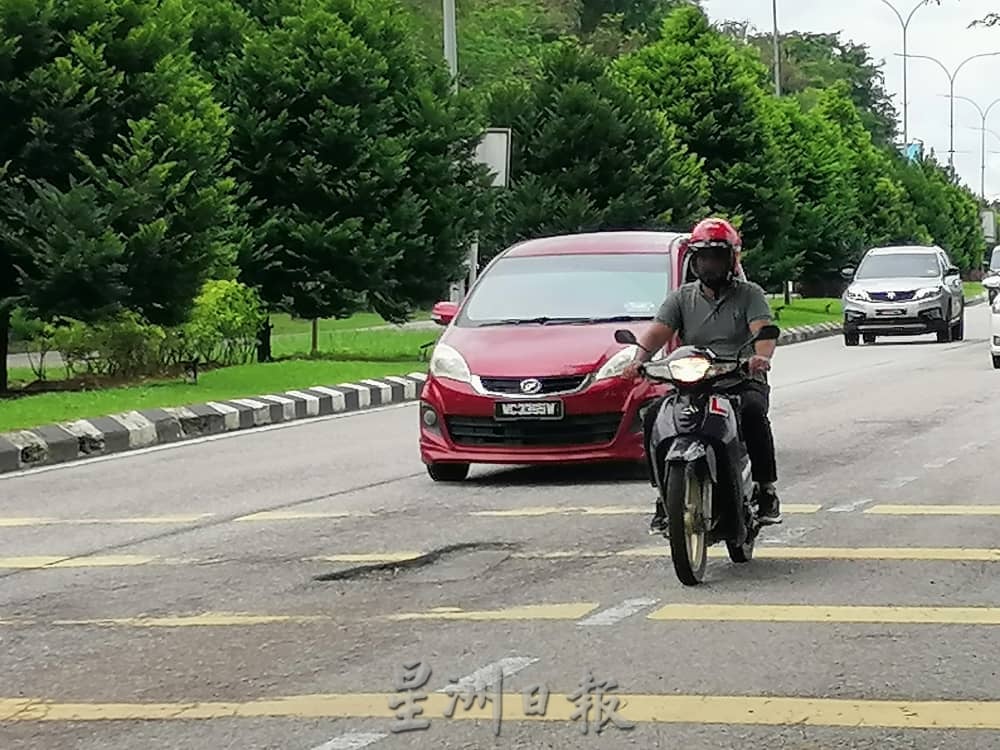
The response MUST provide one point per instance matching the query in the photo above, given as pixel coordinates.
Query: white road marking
(485, 676)
(849, 507)
(352, 741)
(941, 464)
(616, 614)
(205, 439)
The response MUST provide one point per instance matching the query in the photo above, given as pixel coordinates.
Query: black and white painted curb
(118, 433)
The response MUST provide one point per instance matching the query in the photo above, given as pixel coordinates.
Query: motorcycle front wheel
(689, 503)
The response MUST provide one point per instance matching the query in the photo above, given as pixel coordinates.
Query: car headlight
(446, 362)
(928, 292)
(858, 295)
(615, 366)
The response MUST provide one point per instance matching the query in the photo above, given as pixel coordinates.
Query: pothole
(452, 554)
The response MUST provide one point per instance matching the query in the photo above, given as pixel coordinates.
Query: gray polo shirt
(722, 324)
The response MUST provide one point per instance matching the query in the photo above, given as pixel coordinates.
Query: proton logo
(891, 295)
(531, 386)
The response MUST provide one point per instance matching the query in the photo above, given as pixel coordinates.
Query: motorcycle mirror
(624, 336)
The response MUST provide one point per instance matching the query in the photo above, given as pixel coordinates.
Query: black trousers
(755, 403)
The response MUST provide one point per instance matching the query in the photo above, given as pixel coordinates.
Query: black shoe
(658, 526)
(769, 511)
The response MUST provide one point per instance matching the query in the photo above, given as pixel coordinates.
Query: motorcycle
(699, 460)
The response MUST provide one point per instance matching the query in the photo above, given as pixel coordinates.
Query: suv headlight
(858, 295)
(446, 362)
(928, 292)
(617, 364)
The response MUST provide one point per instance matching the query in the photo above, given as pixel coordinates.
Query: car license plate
(893, 313)
(529, 410)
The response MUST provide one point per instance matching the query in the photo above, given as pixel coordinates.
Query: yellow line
(609, 510)
(570, 611)
(934, 510)
(638, 708)
(824, 613)
(151, 520)
(96, 561)
(207, 619)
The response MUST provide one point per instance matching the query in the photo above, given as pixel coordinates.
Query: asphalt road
(175, 598)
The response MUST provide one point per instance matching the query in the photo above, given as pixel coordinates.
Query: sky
(937, 31)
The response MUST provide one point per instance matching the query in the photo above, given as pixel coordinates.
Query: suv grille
(559, 384)
(579, 429)
(898, 296)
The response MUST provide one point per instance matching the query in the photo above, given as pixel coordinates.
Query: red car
(528, 369)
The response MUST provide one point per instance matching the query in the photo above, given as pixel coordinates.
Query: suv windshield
(995, 260)
(900, 265)
(569, 288)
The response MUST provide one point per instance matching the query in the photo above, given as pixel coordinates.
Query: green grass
(285, 325)
(806, 312)
(381, 346)
(973, 289)
(228, 383)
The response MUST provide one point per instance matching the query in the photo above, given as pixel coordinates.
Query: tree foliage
(588, 156)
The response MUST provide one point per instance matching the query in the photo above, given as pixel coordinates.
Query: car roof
(900, 249)
(589, 243)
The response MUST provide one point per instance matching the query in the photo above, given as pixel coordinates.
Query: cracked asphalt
(273, 589)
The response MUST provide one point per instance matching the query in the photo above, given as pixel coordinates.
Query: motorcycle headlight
(615, 366)
(446, 362)
(858, 295)
(689, 369)
(928, 292)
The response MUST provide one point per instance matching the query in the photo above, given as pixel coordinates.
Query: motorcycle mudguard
(693, 452)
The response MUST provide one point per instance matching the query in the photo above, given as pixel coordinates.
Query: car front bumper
(895, 318)
(995, 332)
(600, 423)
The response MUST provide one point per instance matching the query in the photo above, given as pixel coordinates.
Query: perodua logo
(531, 386)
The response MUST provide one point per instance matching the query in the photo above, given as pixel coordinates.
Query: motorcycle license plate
(529, 410)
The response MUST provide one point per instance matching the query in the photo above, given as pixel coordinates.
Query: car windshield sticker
(640, 308)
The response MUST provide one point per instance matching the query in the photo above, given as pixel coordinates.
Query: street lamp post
(777, 50)
(951, 82)
(905, 23)
(451, 41)
(984, 114)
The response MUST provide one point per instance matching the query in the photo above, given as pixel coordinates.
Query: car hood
(536, 350)
(895, 285)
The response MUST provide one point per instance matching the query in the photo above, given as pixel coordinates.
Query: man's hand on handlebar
(758, 363)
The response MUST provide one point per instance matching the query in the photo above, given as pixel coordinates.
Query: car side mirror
(847, 274)
(624, 336)
(444, 312)
(954, 272)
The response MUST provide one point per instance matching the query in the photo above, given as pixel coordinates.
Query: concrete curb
(119, 433)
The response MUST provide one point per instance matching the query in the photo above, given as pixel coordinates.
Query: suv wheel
(944, 336)
(958, 330)
(851, 339)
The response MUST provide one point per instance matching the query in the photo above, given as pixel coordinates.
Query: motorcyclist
(722, 312)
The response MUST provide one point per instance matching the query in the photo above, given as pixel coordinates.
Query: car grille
(579, 429)
(559, 384)
(898, 296)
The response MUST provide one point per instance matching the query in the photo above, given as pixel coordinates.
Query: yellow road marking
(609, 510)
(934, 510)
(151, 520)
(825, 613)
(636, 708)
(96, 561)
(565, 611)
(206, 619)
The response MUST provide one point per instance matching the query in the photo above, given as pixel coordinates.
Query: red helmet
(714, 245)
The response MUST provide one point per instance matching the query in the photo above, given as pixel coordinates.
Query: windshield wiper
(541, 321)
(618, 319)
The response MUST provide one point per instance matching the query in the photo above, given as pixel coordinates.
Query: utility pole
(777, 50)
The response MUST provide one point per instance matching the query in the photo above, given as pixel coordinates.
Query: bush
(223, 327)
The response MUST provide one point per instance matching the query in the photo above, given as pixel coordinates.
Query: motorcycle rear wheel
(689, 501)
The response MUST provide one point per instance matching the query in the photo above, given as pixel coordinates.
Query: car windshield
(900, 265)
(569, 288)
